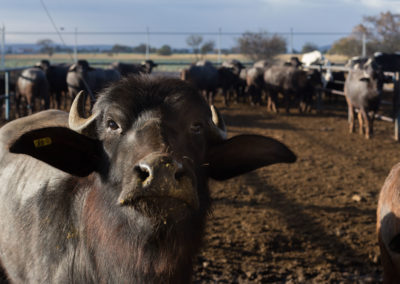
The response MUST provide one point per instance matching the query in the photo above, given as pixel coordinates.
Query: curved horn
(218, 124)
(369, 61)
(77, 121)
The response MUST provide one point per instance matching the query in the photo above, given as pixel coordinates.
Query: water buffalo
(288, 80)
(293, 61)
(57, 77)
(230, 83)
(357, 62)
(306, 96)
(233, 64)
(32, 88)
(120, 196)
(126, 69)
(363, 89)
(230, 80)
(81, 76)
(388, 226)
(204, 76)
(255, 84)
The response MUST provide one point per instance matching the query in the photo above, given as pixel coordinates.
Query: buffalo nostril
(143, 172)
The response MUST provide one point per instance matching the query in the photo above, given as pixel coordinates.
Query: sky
(186, 17)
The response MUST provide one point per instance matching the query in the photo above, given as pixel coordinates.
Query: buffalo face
(145, 155)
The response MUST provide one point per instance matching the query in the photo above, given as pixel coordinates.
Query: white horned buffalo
(122, 195)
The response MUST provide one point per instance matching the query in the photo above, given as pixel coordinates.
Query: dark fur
(255, 84)
(126, 69)
(288, 80)
(204, 76)
(57, 77)
(388, 61)
(228, 82)
(61, 228)
(81, 76)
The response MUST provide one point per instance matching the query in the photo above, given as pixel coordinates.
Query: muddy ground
(308, 222)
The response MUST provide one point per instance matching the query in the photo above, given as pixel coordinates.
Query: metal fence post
(7, 98)
(396, 97)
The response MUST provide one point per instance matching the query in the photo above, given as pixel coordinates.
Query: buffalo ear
(244, 153)
(61, 148)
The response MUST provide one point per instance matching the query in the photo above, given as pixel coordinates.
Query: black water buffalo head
(148, 65)
(43, 64)
(148, 148)
(78, 77)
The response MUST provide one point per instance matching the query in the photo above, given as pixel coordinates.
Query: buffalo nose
(156, 169)
(159, 175)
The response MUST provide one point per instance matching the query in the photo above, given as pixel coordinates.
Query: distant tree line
(382, 33)
(261, 45)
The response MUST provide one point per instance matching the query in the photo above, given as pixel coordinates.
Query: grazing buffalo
(57, 77)
(81, 76)
(120, 196)
(204, 76)
(32, 89)
(126, 69)
(388, 226)
(363, 89)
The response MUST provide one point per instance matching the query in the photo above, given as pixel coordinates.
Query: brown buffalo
(388, 226)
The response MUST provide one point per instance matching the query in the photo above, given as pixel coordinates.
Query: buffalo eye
(112, 124)
(196, 128)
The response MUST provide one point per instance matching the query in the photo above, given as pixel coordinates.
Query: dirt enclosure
(308, 222)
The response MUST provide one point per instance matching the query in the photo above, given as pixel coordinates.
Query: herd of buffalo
(120, 194)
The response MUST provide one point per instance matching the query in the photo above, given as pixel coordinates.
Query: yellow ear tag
(42, 142)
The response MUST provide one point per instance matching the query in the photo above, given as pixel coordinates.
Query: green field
(166, 63)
